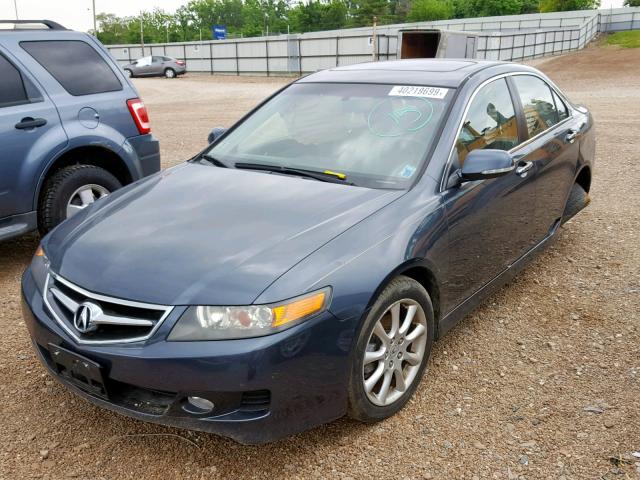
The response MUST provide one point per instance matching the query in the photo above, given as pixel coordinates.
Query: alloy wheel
(83, 197)
(394, 352)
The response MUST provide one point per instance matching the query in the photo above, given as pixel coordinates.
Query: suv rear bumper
(147, 150)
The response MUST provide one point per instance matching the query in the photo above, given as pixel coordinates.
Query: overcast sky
(77, 14)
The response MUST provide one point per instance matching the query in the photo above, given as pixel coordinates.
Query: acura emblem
(84, 317)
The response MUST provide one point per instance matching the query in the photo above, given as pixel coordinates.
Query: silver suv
(72, 126)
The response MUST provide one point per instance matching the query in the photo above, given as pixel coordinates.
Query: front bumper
(263, 388)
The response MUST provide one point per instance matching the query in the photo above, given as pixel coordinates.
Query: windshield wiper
(326, 176)
(213, 160)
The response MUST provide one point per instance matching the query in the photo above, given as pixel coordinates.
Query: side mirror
(481, 164)
(215, 134)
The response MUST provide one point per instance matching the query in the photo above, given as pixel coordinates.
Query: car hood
(198, 234)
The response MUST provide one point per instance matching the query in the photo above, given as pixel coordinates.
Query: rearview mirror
(481, 164)
(215, 134)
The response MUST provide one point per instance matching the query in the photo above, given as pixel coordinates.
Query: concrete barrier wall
(511, 37)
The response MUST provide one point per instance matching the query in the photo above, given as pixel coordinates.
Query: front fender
(359, 262)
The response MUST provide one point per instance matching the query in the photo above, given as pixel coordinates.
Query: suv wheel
(71, 190)
(128, 72)
(392, 351)
(170, 73)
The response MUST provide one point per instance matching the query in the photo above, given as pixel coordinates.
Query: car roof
(436, 72)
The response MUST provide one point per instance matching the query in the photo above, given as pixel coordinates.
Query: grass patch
(628, 39)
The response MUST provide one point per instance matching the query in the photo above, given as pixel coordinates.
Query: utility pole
(15, 5)
(374, 41)
(95, 28)
(141, 34)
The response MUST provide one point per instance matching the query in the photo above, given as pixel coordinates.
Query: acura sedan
(300, 268)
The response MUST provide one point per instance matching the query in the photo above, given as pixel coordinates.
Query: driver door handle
(523, 168)
(28, 122)
(571, 136)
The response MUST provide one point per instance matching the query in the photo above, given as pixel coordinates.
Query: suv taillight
(139, 115)
(180, 62)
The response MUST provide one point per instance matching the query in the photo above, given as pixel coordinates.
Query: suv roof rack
(47, 23)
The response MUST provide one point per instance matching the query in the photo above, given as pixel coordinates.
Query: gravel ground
(542, 381)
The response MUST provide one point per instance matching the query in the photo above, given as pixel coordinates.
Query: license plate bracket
(78, 370)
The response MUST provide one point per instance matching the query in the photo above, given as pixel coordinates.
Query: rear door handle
(28, 122)
(571, 136)
(523, 168)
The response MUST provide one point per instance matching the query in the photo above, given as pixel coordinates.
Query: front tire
(70, 190)
(392, 351)
(128, 73)
(170, 73)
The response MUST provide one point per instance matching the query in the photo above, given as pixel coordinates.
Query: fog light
(199, 405)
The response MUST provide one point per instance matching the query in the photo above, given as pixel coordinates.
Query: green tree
(111, 29)
(361, 12)
(315, 16)
(428, 10)
(567, 5)
(631, 3)
(487, 8)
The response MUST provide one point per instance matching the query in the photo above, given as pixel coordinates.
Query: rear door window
(75, 64)
(537, 102)
(12, 90)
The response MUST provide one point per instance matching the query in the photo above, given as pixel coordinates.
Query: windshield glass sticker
(426, 92)
(394, 117)
(407, 171)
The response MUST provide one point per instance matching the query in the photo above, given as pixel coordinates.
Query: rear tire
(402, 357)
(170, 73)
(578, 199)
(62, 187)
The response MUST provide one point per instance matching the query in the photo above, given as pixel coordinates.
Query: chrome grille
(92, 318)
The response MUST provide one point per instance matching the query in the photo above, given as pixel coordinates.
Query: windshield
(375, 135)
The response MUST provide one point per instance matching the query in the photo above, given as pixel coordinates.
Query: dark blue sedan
(302, 266)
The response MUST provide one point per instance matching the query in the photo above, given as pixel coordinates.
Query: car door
(143, 66)
(157, 66)
(30, 132)
(552, 147)
(491, 222)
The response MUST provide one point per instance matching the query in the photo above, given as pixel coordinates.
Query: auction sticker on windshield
(412, 91)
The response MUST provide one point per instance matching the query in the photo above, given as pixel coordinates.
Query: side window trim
(446, 172)
(556, 97)
(523, 132)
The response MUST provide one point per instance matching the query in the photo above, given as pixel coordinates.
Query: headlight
(224, 323)
(40, 267)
